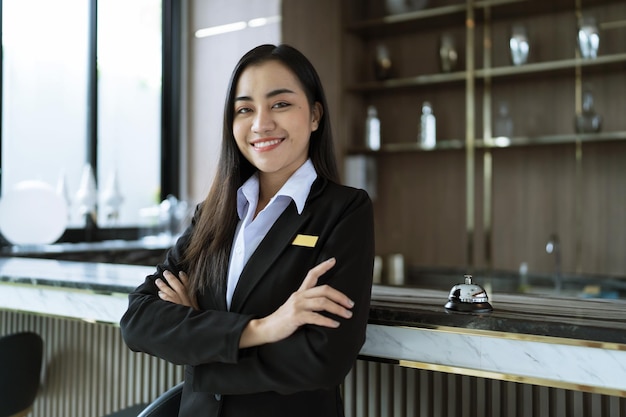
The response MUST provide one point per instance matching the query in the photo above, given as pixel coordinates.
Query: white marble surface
(59, 302)
(70, 274)
(77, 290)
(526, 360)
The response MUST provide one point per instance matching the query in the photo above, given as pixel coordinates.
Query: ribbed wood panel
(384, 390)
(88, 370)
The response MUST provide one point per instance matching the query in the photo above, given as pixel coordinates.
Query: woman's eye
(280, 105)
(243, 110)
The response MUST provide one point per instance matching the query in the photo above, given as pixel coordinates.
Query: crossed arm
(302, 307)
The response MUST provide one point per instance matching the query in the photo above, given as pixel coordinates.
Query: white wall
(211, 61)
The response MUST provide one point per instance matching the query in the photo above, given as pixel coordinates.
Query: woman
(265, 297)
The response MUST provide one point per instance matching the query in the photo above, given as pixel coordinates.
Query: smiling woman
(265, 298)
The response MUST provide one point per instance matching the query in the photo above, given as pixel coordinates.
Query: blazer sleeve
(177, 333)
(314, 357)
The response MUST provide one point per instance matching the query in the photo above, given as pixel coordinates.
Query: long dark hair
(207, 255)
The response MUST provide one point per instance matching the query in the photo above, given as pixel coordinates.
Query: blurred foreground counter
(146, 251)
(571, 343)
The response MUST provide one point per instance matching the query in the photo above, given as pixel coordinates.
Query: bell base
(469, 307)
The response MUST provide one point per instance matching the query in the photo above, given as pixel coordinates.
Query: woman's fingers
(193, 302)
(310, 304)
(322, 298)
(326, 292)
(165, 292)
(174, 289)
(314, 273)
(174, 283)
(318, 319)
(184, 279)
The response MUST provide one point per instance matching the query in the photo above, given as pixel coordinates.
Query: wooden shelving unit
(544, 96)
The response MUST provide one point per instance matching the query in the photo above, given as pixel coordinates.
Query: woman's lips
(267, 144)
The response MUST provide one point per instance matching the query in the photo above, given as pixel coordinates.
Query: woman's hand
(176, 292)
(302, 307)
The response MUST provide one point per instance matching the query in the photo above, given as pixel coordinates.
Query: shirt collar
(297, 188)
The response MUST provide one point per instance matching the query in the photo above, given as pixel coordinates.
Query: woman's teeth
(267, 143)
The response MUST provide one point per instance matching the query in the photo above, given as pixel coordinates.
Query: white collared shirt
(251, 230)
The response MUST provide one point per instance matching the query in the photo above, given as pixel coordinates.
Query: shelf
(404, 147)
(552, 139)
(495, 3)
(552, 66)
(514, 9)
(566, 65)
(397, 23)
(520, 141)
(435, 17)
(408, 82)
(445, 15)
(506, 9)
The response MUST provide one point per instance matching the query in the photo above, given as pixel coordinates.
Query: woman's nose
(263, 121)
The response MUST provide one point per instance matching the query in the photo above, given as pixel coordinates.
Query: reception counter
(555, 341)
(571, 343)
(551, 341)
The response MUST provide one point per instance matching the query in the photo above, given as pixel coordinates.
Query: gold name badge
(305, 240)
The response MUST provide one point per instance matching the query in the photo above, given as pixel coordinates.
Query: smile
(267, 143)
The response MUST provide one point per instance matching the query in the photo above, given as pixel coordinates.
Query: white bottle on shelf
(372, 129)
(427, 137)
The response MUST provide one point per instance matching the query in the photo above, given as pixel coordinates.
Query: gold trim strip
(512, 378)
(519, 337)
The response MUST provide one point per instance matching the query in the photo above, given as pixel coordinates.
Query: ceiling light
(221, 29)
(262, 21)
(233, 27)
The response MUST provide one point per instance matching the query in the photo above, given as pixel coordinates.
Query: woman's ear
(317, 113)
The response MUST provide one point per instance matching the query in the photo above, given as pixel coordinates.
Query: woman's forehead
(266, 77)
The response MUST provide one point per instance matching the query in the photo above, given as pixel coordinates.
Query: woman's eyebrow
(268, 95)
(279, 91)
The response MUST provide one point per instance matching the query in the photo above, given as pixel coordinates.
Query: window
(63, 108)
(129, 105)
(44, 94)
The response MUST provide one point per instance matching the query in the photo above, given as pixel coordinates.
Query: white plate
(32, 213)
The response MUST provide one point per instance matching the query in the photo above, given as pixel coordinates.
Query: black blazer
(299, 376)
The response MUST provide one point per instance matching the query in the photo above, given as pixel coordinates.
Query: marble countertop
(90, 276)
(574, 318)
(594, 320)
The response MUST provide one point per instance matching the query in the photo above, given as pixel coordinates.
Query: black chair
(166, 404)
(21, 357)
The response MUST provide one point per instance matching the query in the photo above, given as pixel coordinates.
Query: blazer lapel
(279, 236)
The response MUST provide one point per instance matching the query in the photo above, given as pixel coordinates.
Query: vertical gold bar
(487, 207)
(487, 140)
(578, 88)
(469, 132)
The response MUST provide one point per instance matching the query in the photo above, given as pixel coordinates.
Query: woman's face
(272, 120)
